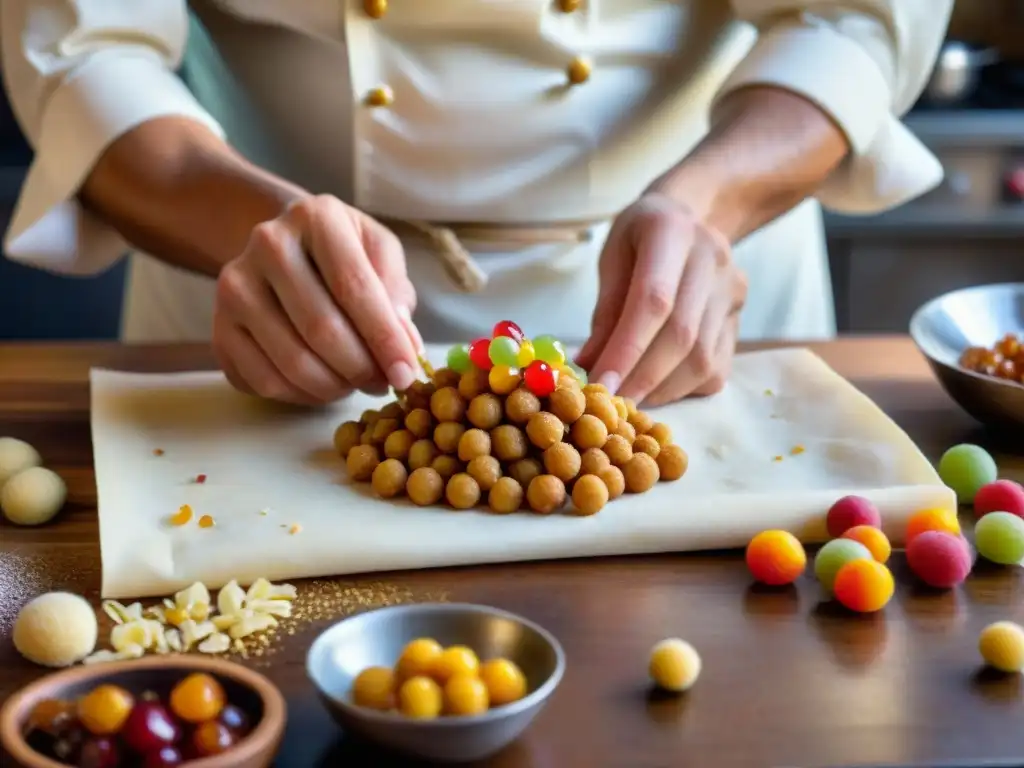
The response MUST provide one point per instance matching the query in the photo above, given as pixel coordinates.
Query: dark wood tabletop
(787, 680)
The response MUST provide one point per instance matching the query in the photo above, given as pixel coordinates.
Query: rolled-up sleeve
(79, 74)
(864, 64)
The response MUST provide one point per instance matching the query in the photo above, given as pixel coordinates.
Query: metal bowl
(947, 325)
(377, 638)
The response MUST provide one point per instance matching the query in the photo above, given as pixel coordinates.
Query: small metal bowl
(376, 638)
(947, 325)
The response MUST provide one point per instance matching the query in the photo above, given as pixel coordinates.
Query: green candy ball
(504, 351)
(965, 468)
(581, 375)
(458, 358)
(833, 556)
(549, 349)
(999, 538)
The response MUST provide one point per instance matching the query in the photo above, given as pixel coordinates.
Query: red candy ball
(1000, 496)
(510, 329)
(939, 559)
(150, 727)
(479, 354)
(540, 378)
(851, 511)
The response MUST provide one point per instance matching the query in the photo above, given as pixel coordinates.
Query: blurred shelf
(922, 221)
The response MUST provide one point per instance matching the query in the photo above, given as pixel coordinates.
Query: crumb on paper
(182, 516)
(295, 528)
(200, 479)
(774, 416)
(777, 458)
(206, 522)
(264, 512)
(158, 451)
(718, 451)
(769, 393)
(797, 450)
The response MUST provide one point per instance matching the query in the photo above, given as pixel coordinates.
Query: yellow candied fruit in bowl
(455, 660)
(417, 658)
(505, 681)
(374, 688)
(465, 694)
(420, 697)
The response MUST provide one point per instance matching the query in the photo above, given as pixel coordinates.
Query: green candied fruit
(833, 556)
(549, 349)
(999, 538)
(581, 375)
(504, 351)
(965, 468)
(458, 358)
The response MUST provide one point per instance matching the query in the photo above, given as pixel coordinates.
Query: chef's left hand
(668, 308)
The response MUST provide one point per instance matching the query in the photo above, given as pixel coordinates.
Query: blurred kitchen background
(969, 231)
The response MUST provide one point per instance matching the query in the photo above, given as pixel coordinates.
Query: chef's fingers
(388, 259)
(700, 365)
(340, 256)
(257, 371)
(614, 270)
(681, 333)
(662, 249)
(310, 308)
(724, 356)
(271, 329)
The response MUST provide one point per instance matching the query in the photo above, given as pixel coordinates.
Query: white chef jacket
(483, 126)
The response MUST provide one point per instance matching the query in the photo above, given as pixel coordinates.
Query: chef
(342, 179)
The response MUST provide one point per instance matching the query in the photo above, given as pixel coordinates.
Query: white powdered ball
(57, 629)
(15, 456)
(33, 496)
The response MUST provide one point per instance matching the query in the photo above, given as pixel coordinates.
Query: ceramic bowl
(980, 316)
(377, 638)
(250, 691)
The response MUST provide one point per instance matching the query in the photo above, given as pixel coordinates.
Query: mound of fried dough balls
(509, 424)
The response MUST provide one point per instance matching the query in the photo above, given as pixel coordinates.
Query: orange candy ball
(864, 586)
(776, 557)
(932, 520)
(877, 543)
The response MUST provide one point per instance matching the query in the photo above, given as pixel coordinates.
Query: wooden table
(787, 681)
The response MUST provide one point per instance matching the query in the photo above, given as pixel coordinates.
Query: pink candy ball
(939, 559)
(851, 511)
(1000, 496)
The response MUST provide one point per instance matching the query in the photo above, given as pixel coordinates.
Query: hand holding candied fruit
(509, 423)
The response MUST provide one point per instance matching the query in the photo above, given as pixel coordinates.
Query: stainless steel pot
(956, 73)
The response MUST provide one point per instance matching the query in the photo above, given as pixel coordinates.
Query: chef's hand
(668, 309)
(318, 304)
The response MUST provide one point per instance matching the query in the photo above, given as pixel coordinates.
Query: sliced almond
(197, 593)
(173, 639)
(115, 611)
(280, 608)
(131, 633)
(223, 623)
(231, 598)
(215, 643)
(251, 625)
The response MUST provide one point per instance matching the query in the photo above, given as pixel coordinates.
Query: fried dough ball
(626, 431)
(544, 429)
(618, 450)
(506, 496)
(620, 407)
(589, 432)
(486, 470)
(462, 491)
(369, 417)
(361, 462)
(484, 411)
(614, 481)
(367, 437)
(508, 442)
(630, 406)
(389, 478)
(545, 494)
(398, 444)
(473, 382)
(346, 437)
(447, 435)
(589, 495)
(521, 405)
(524, 470)
(647, 444)
(641, 422)
(418, 395)
(393, 410)
(473, 443)
(563, 461)
(593, 460)
(447, 405)
(593, 388)
(419, 422)
(422, 454)
(661, 432)
(382, 428)
(672, 462)
(424, 487)
(446, 377)
(641, 473)
(447, 466)
(599, 404)
(567, 403)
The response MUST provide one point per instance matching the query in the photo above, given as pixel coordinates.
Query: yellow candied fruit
(374, 688)
(797, 450)
(505, 681)
(455, 660)
(526, 354)
(182, 516)
(417, 658)
(205, 521)
(465, 695)
(420, 697)
(503, 379)
(295, 529)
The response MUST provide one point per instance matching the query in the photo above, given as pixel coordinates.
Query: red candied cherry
(540, 378)
(99, 752)
(480, 354)
(165, 757)
(150, 727)
(510, 329)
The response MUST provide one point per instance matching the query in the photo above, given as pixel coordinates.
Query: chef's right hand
(318, 304)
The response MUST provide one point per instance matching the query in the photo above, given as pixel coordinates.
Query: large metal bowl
(947, 325)
(376, 638)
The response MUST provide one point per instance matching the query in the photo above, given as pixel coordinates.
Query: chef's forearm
(767, 151)
(175, 190)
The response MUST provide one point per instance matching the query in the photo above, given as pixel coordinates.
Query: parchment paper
(270, 467)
